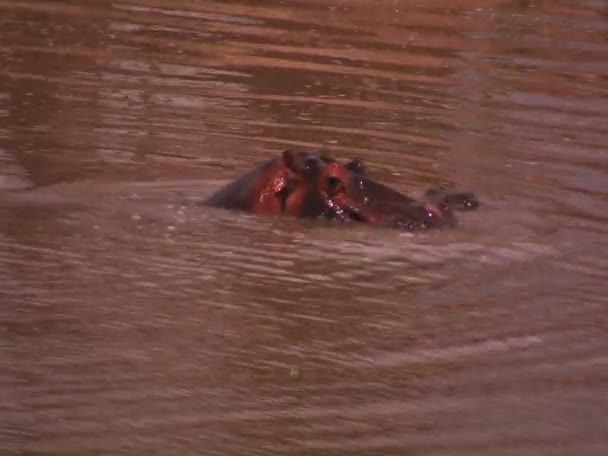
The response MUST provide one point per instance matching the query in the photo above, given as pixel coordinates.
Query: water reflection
(134, 321)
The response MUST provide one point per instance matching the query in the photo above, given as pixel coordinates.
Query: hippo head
(305, 183)
(323, 187)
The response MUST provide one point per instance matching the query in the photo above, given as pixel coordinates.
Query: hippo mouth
(407, 218)
(344, 214)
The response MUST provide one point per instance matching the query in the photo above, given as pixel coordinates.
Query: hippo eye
(334, 185)
(311, 165)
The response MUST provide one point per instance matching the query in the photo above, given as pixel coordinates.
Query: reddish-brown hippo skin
(257, 191)
(374, 203)
(305, 183)
(284, 185)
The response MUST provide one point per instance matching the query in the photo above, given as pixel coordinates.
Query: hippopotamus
(312, 184)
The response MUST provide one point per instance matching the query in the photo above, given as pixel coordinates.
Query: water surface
(132, 322)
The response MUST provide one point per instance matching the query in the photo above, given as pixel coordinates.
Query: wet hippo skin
(305, 183)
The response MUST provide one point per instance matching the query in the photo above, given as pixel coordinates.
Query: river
(134, 322)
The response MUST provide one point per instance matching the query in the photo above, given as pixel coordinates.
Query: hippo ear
(301, 162)
(356, 166)
(325, 156)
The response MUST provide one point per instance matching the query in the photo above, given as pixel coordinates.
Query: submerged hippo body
(305, 183)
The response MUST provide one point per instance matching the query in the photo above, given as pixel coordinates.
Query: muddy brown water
(133, 323)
